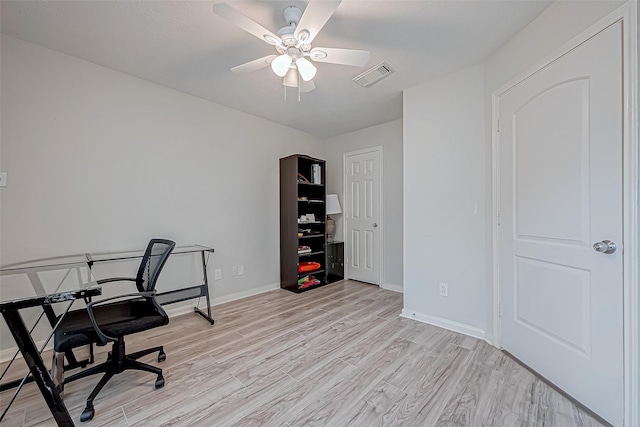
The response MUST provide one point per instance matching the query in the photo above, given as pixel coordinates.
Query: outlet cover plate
(444, 290)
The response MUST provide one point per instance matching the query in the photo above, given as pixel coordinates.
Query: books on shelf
(304, 249)
(308, 232)
(302, 178)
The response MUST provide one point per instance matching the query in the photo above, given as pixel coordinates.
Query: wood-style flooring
(339, 355)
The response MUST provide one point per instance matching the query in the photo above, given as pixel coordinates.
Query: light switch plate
(3, 179)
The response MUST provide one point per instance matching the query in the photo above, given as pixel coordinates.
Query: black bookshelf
(302, 222)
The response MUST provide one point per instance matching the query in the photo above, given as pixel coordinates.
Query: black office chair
(108, 321)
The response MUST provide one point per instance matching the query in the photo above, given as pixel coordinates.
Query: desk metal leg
(206, 286)
(36, 366)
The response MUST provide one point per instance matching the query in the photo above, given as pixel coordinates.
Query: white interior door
(560, 180)
(363, 218)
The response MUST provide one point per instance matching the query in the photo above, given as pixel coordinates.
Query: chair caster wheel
(159, 383)
(162, 357)
(87, 414)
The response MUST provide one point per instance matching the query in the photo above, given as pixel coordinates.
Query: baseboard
(440, 322)
(489, 339)
(7, 354)
(393, 287)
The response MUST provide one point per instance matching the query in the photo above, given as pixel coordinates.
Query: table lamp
(333, 207)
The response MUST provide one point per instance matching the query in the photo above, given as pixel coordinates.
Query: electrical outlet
(444, 290)
(234, 270)
(240, 269)
(218, 274)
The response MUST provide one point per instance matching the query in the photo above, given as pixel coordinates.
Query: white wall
(98, 160)
(389, 136)
(444, 197)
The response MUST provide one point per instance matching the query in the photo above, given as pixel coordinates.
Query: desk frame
(39, 372)
(175, 295)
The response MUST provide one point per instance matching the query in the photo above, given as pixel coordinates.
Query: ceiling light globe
(306, 68)
(281, 64)
(291, 79)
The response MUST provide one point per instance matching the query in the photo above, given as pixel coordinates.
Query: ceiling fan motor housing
(292, 15)
(290, 43)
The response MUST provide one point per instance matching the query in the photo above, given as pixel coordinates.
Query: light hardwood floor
(339, 355)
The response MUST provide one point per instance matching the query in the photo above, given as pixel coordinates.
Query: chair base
(117, 362)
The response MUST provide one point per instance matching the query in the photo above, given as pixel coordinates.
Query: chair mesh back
(154, 258)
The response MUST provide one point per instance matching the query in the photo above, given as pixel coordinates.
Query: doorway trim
(381, 255)
(626, 14)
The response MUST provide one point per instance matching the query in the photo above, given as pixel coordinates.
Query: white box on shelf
(316, 173)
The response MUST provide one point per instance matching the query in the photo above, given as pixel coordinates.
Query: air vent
(373, 74)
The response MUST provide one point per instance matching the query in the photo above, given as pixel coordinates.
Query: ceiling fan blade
(249, 25)
(314, 17)
(357, 58)
(254, 65)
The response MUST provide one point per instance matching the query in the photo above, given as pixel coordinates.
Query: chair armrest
(116, 279)
(104, 338)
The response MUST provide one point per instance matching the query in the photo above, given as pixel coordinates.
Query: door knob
(375, 225)
(606, 247)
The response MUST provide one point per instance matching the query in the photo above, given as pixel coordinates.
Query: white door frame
(379, 149)
(627, 13)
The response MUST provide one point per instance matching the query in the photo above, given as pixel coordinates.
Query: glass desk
(41, 283)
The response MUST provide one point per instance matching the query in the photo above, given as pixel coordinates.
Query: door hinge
(499, 218)
(498, 125)
(499, 310)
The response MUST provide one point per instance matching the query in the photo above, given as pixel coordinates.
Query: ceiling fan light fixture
(291, 78)
(280, 65)
(306, 68)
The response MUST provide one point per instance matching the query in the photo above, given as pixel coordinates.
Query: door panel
(560, 161)
(561, 289)
(363, 217)
(553, 153)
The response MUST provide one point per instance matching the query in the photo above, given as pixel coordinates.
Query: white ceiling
(184, 46)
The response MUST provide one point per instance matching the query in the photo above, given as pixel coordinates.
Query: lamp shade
(333, 204)
(306, 68)
(281, 64)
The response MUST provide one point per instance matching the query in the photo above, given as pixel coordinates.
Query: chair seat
(116, 320)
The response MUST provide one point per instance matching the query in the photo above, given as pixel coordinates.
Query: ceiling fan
(293, 43)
